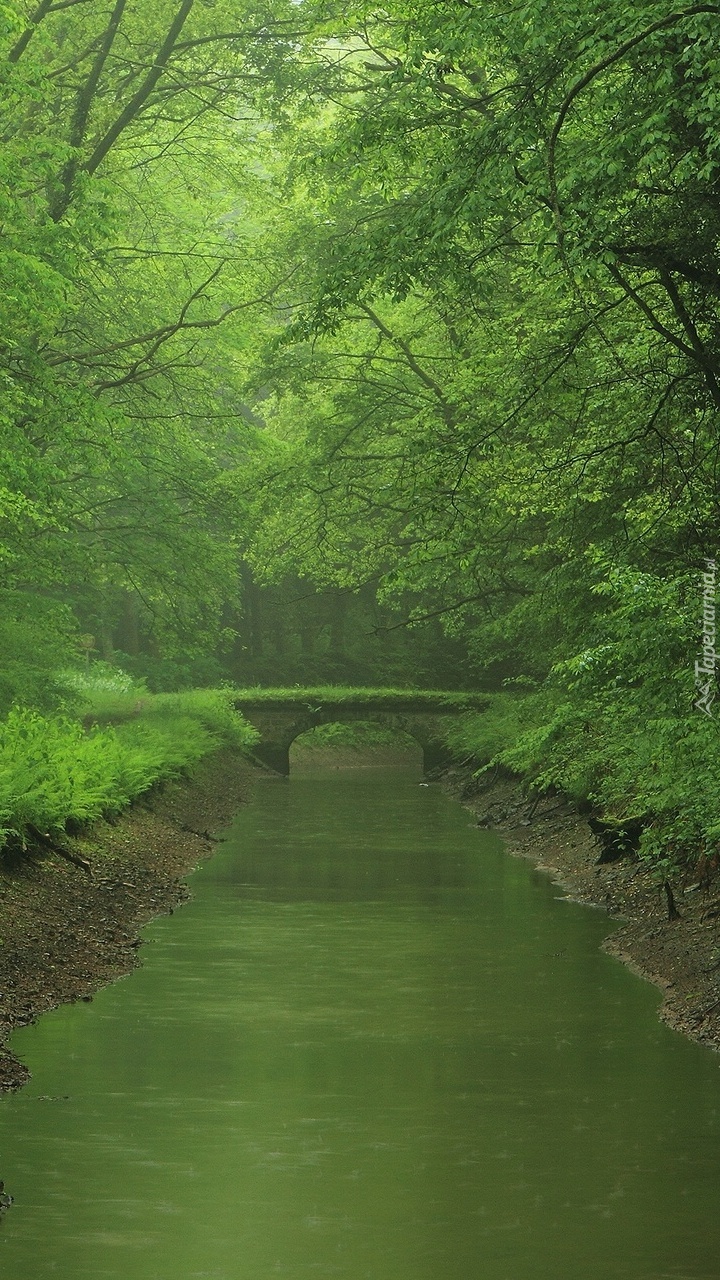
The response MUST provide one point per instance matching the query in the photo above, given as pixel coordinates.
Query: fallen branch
(47, 843)
(203, 835)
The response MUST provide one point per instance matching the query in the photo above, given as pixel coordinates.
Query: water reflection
(374, 1046)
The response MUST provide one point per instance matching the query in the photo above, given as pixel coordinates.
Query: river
(373, 1047)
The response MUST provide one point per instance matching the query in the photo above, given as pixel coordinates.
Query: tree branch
(696, 342)
(158, 336)
(81, 114)
(597, 69)
(132, 108)
(411, 620)
(660, 257)
(425, 377)
(697, 357)
(35, 19)
(225, 37)
(41, 838)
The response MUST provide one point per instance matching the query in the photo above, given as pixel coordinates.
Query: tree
(129, 204)
(477, 193)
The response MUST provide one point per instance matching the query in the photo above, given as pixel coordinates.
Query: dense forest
(361, 344)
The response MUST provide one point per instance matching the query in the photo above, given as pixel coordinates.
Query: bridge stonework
(279, 724)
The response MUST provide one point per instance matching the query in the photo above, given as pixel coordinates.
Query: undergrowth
(617, 727)
(481, 736)
(57, 772)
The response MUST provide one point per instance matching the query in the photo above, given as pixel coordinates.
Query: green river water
(374, 1047)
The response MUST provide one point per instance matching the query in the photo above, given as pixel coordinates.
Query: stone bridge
(423, 715)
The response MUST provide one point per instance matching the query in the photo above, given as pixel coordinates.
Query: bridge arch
(366, 742)
(278, 731)
(282, 716)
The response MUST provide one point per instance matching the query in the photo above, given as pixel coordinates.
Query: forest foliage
(372, 345)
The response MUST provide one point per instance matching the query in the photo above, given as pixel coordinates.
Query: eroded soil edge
(681, 957)
(65, 933)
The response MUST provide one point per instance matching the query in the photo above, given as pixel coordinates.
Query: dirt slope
(66, 932)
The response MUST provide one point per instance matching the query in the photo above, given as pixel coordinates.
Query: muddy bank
(66, 932)
(681, 957)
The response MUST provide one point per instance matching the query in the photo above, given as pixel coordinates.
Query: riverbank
(65, 931)
(680, 956)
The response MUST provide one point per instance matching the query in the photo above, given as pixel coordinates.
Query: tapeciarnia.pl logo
(705, 668)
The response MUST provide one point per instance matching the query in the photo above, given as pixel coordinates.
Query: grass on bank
(59, 772)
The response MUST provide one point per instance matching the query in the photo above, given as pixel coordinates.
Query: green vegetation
(348, 347)
(483, 737)
(432, 699)
(661, 771)
(56, 775)
(107, 696)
